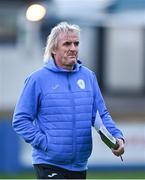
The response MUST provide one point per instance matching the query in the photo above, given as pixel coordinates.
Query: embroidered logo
(55, 86)
(52, 175)
(81, 83)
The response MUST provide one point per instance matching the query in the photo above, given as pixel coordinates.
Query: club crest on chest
(81, 84)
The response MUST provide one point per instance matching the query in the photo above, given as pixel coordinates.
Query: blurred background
(112, 45)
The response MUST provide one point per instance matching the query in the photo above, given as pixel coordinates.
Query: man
(57, 108)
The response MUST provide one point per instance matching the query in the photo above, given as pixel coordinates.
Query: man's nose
(73, 47)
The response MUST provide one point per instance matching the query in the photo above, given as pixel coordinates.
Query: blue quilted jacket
(55, 113)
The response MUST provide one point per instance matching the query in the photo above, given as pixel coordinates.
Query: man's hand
(120, 150)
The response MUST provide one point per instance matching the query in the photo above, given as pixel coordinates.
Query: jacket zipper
(73, 120)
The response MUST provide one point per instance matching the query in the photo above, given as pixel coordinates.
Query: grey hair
(52, 39)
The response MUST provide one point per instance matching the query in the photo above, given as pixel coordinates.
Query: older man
(57, 108)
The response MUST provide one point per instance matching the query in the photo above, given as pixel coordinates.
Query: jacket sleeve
(99, 105)
(25, 113)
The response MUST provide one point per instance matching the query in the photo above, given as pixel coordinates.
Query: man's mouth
(72, 55)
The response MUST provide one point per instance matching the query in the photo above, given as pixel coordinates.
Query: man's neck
(66, 67)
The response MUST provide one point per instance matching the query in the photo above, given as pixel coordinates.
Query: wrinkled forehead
(70, 35)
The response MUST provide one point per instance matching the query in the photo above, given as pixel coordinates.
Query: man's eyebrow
(69, 42)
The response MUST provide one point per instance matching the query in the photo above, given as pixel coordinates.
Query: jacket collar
(53, 67)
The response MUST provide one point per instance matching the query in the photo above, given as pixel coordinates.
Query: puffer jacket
(55, 113)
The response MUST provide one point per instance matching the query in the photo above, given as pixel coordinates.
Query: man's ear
(54, 51)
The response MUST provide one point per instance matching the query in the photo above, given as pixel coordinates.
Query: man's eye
(76, 43)
(70, 43)
(67, 43)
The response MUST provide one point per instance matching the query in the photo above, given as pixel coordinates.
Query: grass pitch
(135, 174)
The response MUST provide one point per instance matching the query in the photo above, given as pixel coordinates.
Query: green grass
(135, 174)
(22, 175)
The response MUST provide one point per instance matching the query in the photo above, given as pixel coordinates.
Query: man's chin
(72, 61)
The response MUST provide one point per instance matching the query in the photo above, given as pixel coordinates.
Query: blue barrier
(12, 151)
(9, 148)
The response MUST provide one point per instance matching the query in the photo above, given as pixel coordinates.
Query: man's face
(66, 53)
